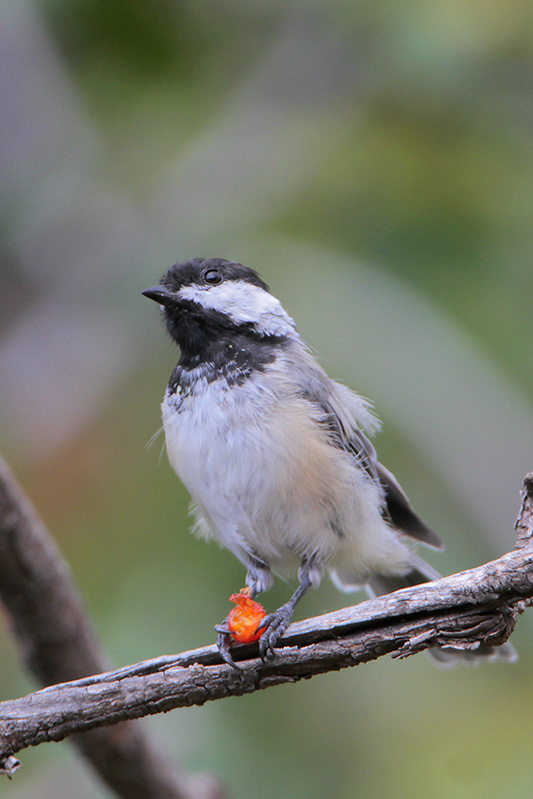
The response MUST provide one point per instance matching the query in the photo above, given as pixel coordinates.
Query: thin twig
(524, 523)
(57, 643)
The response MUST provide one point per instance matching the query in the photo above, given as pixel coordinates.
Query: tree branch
(465, 610)
(57, 643)
(476, 606)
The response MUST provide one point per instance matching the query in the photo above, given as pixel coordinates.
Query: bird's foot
(274, 625)
(223, 642)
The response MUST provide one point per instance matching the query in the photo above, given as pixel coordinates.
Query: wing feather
(345, 414)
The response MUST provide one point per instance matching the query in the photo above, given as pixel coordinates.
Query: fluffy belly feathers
(271, 484)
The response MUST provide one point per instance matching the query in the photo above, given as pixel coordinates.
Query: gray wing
(398, 510)
(344, 412)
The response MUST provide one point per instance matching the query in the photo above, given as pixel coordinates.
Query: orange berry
(243, 620)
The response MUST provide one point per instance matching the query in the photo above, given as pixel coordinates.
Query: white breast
(265, 478)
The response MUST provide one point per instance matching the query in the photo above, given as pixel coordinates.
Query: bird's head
(205, 300)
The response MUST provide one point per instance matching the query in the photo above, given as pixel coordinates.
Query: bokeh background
(373, 161)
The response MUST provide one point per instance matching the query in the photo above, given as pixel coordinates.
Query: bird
(276, 455)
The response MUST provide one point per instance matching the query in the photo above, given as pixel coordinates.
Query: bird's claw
(275, 625)
(223, 642)
(222, 628)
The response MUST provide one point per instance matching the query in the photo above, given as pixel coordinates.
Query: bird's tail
(422, 572)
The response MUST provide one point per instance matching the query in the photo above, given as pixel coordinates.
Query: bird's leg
(258, 578)
(276, 623)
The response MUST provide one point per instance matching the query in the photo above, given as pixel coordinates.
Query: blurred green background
(373, 161)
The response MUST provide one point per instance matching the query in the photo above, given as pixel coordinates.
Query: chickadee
(273, 453)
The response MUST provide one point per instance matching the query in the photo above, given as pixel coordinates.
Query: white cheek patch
(244, 303)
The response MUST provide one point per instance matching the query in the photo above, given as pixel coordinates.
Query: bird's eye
(212, 276)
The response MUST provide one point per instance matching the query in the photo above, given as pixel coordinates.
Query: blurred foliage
(373, 160)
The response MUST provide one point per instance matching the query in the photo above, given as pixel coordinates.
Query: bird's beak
(159, 294)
